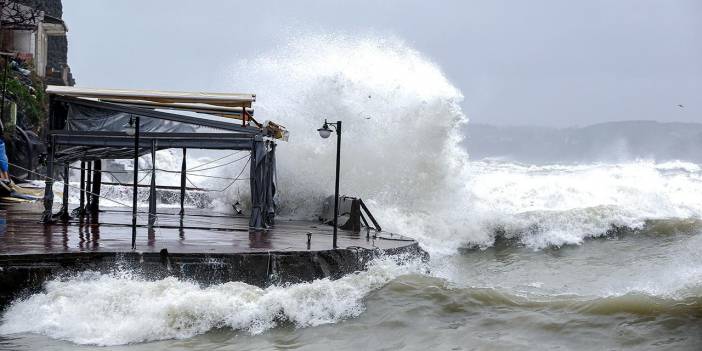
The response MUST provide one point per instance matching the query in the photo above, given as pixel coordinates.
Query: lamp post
(325, 132)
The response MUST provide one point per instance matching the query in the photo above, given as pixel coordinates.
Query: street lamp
(325, 132)
(129, 128)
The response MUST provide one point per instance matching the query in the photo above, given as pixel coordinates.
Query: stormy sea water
(523, 256)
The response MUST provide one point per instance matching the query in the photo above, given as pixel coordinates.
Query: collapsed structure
(91, 125)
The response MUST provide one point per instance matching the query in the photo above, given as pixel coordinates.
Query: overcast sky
(559, 63)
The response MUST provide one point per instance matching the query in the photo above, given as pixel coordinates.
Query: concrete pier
(203, 246)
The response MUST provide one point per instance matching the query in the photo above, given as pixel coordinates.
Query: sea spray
(401, 131)
(401, 153)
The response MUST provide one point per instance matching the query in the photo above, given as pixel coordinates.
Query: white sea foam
(563, 204)
(114, 309)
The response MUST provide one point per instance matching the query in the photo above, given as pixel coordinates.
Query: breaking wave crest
(556, 205)
(120, 308)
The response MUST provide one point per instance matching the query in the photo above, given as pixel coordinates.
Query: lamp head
(129, 128)
(325, 131)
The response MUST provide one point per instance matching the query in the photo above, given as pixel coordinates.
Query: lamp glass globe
(324, 132)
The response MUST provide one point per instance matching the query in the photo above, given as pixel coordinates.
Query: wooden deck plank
(201, 232)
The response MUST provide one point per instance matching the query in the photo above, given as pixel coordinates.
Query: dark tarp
(92, 130)
(86, 118)
(24, 150)
(271, 185)
(263, 184)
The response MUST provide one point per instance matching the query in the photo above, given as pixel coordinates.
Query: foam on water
(114, 309)
(564, 204)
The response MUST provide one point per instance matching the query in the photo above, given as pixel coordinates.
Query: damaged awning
(87, 129)
(228, 105)
(91, 125)
(167, 97)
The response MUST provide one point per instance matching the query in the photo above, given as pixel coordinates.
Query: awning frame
(75, 132)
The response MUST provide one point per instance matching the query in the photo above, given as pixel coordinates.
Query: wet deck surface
(199, 231)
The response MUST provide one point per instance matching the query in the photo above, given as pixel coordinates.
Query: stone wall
(53, 8)
(56, 60)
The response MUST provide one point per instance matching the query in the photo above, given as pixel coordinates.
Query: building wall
(53, 8)
(50, 43)
(56, 59)
(23, 41)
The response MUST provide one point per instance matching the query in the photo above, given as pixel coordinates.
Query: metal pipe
(183, 174)
(64, 207)
(81, 206)
(152, 186)
(48, 190)
(336, 186)
(89, 185)
(97, 185)
(370, 215)
(167, 187)
(136, 180)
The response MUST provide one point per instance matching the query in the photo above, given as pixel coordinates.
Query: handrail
(370, 216)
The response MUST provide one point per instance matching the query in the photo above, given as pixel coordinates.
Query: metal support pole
(46, 217)
(135, 183)
(64, 216)
(81, 202)
(152, 186)
(370, 215)
(336, 186)
(97, 184)
(88, 186)
(183, 174)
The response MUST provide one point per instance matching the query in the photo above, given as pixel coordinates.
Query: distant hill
(604, 142)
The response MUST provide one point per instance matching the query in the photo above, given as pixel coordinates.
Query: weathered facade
(35, 31)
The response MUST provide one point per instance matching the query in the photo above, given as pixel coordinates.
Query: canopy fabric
(86, 118)
(263, 179)
(89, 130)
(228, 112)
(227, 105)
(217, 99)
(89, 118)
